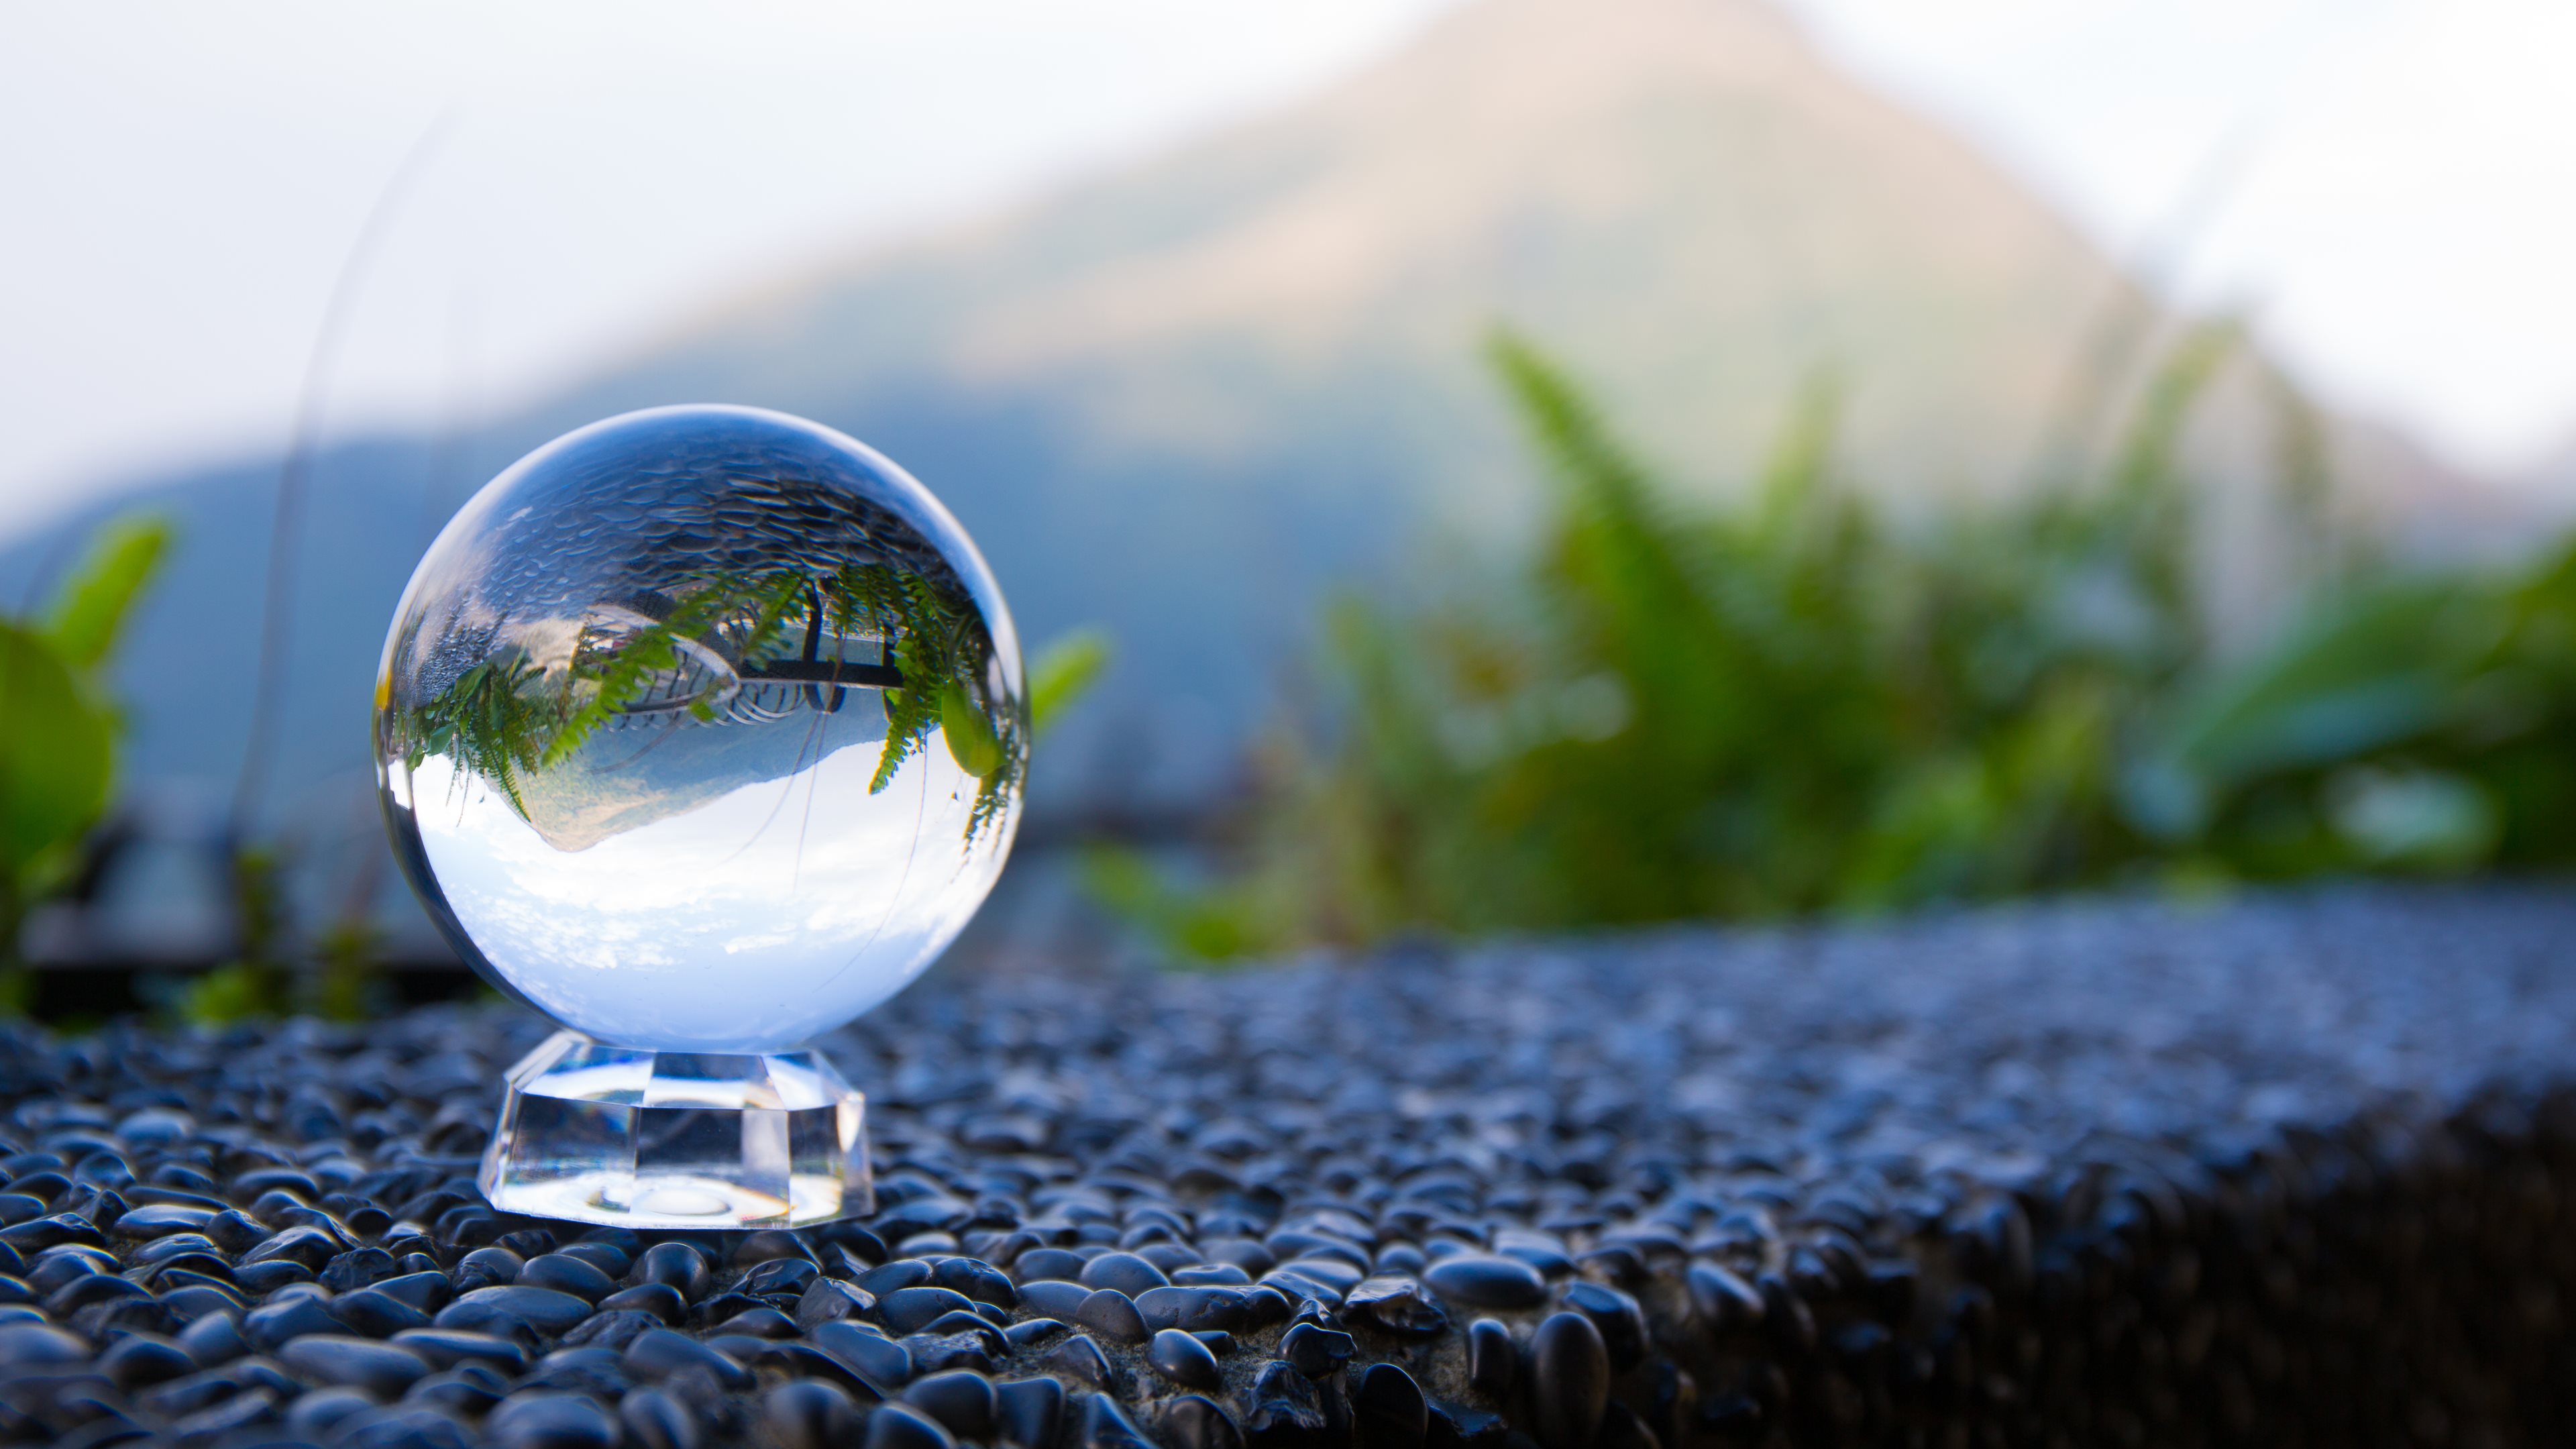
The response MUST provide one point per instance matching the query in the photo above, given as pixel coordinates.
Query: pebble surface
(2288, 1170)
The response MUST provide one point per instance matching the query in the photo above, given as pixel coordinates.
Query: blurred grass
(1789, 704)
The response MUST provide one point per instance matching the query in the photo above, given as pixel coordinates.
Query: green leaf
(971, 741)
(95, 602)
(1064, 672)
(56, 751)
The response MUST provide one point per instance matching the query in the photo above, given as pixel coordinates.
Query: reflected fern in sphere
(702, 729)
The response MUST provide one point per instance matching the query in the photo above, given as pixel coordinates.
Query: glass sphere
(702, 729)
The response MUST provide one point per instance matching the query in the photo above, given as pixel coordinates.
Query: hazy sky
(180, 183)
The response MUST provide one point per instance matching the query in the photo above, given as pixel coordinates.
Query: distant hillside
(1185, 400)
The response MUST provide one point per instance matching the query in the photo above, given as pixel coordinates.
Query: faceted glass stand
(646, 1139)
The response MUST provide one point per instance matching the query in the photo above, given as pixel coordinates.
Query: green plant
(1788, 703)
(57, 728)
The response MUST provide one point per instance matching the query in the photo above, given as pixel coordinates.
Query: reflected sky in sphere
(765, 916)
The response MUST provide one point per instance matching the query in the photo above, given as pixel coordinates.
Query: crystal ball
(702, 729)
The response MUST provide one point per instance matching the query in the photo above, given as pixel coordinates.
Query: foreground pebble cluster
(2299, 1170)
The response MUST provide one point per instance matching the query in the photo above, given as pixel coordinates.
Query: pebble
(566, 1274)
(1105, 1425)
(1080, 1358)
(909, 1310)
(661, 1300)
(448, 1347)
(1396, 1304)
(1194, 1421)
(1028, 1412)
(653, 1419)
(896, 1426)
(543, 1420)
(1125, 1272)
(382, 1369)
(1284, 1406)
(317, 1413)
(1389, 1409)
(1493, 1359)
(542, 1309)
(809, 1415)
(1316, 1351)
(1184, 1360)
(885, 1364)
(141, 1359)
(1621, 1321)
(1723, 1302)
(1479, 1280)
(1053, 1297)
(1112, 1315)
(660, 1353)
(962, 1400)
(1569, 1379)
(679, 1266)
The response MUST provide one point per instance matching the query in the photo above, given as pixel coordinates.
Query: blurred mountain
(1187, 400)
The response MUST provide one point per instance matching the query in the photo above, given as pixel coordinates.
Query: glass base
(646, 1139)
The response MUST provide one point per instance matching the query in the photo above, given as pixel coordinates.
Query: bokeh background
(1518, 464)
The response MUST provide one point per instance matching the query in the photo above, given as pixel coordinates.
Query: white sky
(179, 183)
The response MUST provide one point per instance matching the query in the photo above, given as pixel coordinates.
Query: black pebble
(882, 1361)
(566, 1274)
(382, 1369)
(1193, 1421)
(1030, 1332)
(1081, 1358)
(1112, 1315)
(270, 1327)
(909, 1310)
(1397, 1304)
(1125, 1272)
(658, 1299)
(449, 1347)
(1389, 1410)
(1039, 1263)
(1479, 1280)
(656, 1420)
(809, 1415)
(546, 1310)
(1052, 1297)
(1724, 1302)
(1184, 1360)
(1493, 1359)
(893, 1426)
(659, 1353)
(376, 1314)
(427, 1291)
(1621, 1321)
(1028, 1412)
(787, 1276)
(678, 1265)
(1284, 1408)
(140, 1359)
(963, 1400)
(1106, 1426)
(551, 1421)
(768, 1244)
(1569, 1378)
(977, 1280)
(487, 1268)
(1315, 1351)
